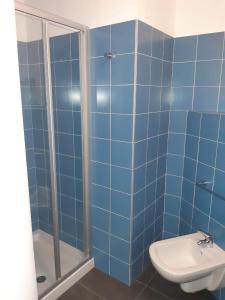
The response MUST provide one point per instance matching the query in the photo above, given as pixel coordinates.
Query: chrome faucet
(207, 240)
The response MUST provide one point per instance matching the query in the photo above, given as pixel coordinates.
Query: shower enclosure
(52, 56)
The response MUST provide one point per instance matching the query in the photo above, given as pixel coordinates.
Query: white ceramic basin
(183, 261)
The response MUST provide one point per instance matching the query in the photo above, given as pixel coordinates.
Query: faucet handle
(208, 239)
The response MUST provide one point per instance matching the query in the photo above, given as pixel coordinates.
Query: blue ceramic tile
(171, 223)
(68, 206)
(172, 205)
(65, 144)
(121, 179)
(100, 240)
(141, 126)
(67, 186)
(36, 77)
(119, 270)
(66, 165)
(100, 99)
(200, 220)
(122, 69)
(186, 211)
(219, 186)
(173, 185)
(122, 99)
(210, 126)
(218, 233)
(101, 260)
(120, 154)
(202, 200)
(61, 98)
(183, 74)
(207, 152)
(138, 202)
(167, 73)
(185, 49)
(68, 225)
(221, 107)
(100, 218)
(77, 123)
(22, 52)
(100, 71)
(75, 45)
(138, 224)
(191, 147)
(208, 73)
(210, 45)
(174, 165)
(120, 227)
(77, 145)
(119, 249)
(157, 43)
(189, 169)
(75, 72)
(100, 126)
(188, 190)
(164, 122)
(151, 171)
(177, 121)
(143, 69)
(120, 203)
(99, 41)
(100, 150)
(162, 149)
(149, 214)
(139, 178)
(153, 124)
(193, 123)
(161, 166)
(100, 174)
(223, 74)
(140, 153)
(205, 98)
(137, 247)
(142, 99)
(62, 47)
(181, 98)
(152, 148)
(220, 161)
(168, 48)
(63, 73)
(64, 121)
(165, 98)
(33, 52)
(121, 127)
(144, 38)
(159, 206)
(204, 172)
(100, 196)
(176, 143)
(122, 37)
(222, 129)
(155, 99)
(156, 72)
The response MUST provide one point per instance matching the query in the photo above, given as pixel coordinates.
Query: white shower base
(44, 263)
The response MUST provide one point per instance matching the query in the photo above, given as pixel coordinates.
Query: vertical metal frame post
(52, 155)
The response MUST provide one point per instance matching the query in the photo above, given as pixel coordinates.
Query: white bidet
(186, 261)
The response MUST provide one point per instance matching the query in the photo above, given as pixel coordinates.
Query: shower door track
(48, 18)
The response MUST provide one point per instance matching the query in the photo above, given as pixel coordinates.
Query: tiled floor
(149, 286)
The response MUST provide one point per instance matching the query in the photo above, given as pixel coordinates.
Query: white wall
(199, 16)
(94, 13)
(17, 275)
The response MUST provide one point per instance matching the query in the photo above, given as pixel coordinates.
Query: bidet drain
(41, 278)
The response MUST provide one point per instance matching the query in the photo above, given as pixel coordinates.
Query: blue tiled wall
(195, 148)
(66, 98)
(112, 97)
(154, 70)
(130, 114)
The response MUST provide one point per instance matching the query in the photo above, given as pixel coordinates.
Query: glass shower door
(51, 83)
